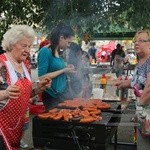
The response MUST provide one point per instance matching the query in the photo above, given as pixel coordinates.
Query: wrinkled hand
(13, 92)
(118, 83)
(44, 83)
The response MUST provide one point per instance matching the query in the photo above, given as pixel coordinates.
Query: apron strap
(13, 76)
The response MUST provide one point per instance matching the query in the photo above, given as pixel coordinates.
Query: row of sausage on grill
(84, 111)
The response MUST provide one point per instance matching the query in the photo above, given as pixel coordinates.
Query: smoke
(79, 80)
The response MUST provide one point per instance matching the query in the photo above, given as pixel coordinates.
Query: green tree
(18, 12)
(132, 14)
(90, 15)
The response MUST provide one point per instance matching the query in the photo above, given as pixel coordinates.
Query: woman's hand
(12, 92)
(44, 84)
(70, 68)
(122, 83)
(118, 83)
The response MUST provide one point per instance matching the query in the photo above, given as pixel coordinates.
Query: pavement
(125, 130)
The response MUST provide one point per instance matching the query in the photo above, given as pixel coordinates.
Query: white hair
(15, 34)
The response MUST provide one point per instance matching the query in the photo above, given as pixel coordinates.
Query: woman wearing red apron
(15, 85)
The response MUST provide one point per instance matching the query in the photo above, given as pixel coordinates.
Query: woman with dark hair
(52, 65)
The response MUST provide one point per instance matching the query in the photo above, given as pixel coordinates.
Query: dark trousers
(2, 145)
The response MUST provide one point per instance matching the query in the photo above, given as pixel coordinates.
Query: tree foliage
(89, 15)
(133, 14)
(18, 12)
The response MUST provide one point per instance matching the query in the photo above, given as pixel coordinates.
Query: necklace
(15, 62)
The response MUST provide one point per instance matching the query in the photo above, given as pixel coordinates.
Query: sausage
(96, 112)
(85, 113)
(90, 109)
(87, 120)
(98, 118)
(94, 116)
(96, 101)
(52, 115)
(44, 115)
(103, 106)
(58, 117)
(54, 110)
(67, 115)
(89, 105)
(75, 112)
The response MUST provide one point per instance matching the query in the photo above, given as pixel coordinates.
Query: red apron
(12, 115)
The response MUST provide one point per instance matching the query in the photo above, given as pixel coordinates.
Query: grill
(74, 135)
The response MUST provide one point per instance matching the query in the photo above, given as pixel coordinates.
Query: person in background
(108, 55)
(103, 56)
(131, 58)
(117, 60)
(80, 81)
(15, 85)
(141, 86)
(33, 61)
(75, 58)
(76, 39)
(50, 64)
(92, 52)
(86, 38)
(86, 83)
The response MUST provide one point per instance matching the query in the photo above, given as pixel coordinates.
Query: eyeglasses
(141, 41)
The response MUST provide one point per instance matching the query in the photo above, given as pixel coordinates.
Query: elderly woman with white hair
(15, 85)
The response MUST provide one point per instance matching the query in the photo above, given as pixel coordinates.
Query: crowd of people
(62, 78)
